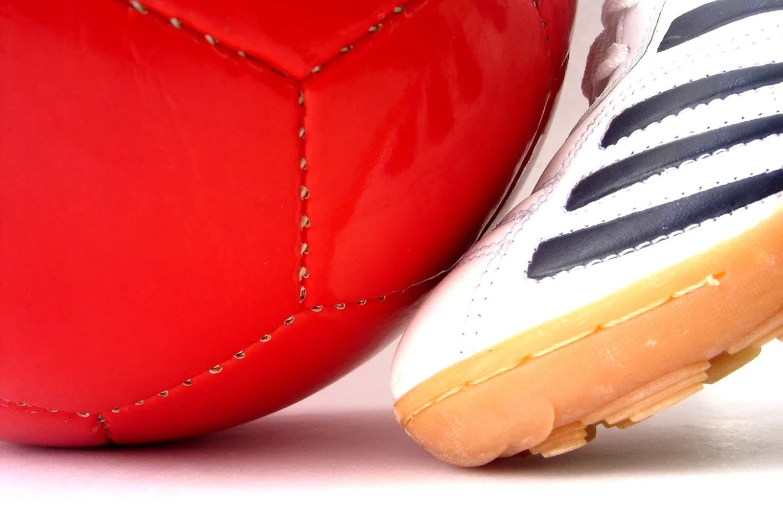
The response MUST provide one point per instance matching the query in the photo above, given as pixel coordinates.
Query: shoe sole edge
(520, 394)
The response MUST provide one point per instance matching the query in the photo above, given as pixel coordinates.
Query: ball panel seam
(102, 419)
(212, 40)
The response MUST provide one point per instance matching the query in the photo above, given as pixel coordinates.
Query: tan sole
(615, 362)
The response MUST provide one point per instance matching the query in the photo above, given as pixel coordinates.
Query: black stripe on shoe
(646, 164)
(601, 241)
(712, 16)
(688, 96)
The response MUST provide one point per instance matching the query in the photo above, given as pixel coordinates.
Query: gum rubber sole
(616, 362)
(645, 402)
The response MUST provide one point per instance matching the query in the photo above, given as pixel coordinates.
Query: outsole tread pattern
(650, 399)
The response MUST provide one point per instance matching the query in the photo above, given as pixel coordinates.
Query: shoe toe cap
(435, 337)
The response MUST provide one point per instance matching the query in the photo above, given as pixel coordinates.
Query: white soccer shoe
(648, 261)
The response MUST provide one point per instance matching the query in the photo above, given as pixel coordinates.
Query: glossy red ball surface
(210, 210)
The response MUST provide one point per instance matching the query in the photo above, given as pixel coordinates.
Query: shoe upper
(679, 151)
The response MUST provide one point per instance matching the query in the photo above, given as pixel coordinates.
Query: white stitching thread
(641, 246)
(399, 9)
(344, 49)
(214, 370)
(548, 187)
(670, 117)
(304, 196)
(683, 63)
(304, 191)
(607, 200)
(603, 114)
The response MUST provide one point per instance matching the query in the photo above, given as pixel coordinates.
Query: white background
(341, 453)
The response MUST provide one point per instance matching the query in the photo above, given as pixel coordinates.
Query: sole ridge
(727, 363)
(653, 401)
(648, 400)
(667, 403)
(565, 442)
(646, 391)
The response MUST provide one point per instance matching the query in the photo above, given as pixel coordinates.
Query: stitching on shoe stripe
(633, 231)
(641, 166)
(712, 16)
(688, 96)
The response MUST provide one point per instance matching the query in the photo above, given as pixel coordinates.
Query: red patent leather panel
(150, 193)
(292, 35)
(434, 113)
(150, 198)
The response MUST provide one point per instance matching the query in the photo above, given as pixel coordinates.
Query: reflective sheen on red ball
(211, 210)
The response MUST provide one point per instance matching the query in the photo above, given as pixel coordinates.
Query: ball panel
(150, 203)
(411, 122)
(293, 36)
(299, 359)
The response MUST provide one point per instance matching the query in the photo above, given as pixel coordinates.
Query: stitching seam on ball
(372, 30)
(103, 425)
(304, 195)
(545, 24)
(215, 43)
(102, 419)
(176, 23)
(254, 61)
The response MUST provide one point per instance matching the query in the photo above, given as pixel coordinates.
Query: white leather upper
(487, 297)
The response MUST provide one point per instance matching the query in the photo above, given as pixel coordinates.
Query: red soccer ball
(210, 210)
